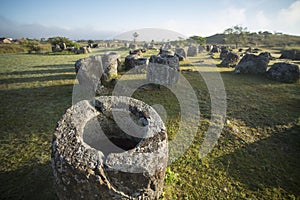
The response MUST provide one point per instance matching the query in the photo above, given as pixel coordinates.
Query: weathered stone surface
(163, 70)
(83, 50)
(132, 46)
(215, 49)
(209, 48)
(137, 62)
(180, 58)
(89, 49)
(252, 64)
(138, 52)
(284, 72)
(103, 66)
(63, 46)
(290, 54)
(180, 52)
(297, 55)
(141, 65)
(56, 48)
(110, 148)
(230, 60)
(165, 52)
(201, 49)
(110, 61)
(192, 51)
(129, 62)
(267, 55)
(224, 52)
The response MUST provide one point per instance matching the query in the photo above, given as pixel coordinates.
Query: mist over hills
(11, 29)
(149, 34)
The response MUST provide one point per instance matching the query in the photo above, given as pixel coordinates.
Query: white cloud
(258, 21)
(221, 20)
(232, 16)
(291, 15)
(206, 24)
(288, 19)
(261, 21)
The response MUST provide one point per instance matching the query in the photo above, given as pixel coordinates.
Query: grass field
(256, 157)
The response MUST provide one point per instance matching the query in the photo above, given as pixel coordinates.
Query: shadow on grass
(30, 112)
(249, 78)
(34, 182)
(42, 78)
(64, 66)
(33, 110)
(269, 163)
(43, 70)
(240, 78)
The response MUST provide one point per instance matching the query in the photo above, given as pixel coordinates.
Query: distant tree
(91, 41)
(236, 35)
(135, 35)
(31, 45)
(198, 39)
(59, 40)
(267, 33)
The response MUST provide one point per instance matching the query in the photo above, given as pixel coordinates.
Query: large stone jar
(163, 70)
(110, 148)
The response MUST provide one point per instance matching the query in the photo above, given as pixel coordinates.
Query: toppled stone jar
(110, 148)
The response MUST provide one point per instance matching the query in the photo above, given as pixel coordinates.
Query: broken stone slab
(97, 69)
(110, 148)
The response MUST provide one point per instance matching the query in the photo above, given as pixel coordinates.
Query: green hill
(216, 39)
(261, 39)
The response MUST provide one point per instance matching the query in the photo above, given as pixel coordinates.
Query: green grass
(18, 48)
(12, 48)
(256, 157)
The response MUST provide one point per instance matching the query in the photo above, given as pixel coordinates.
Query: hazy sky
(99, 19)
